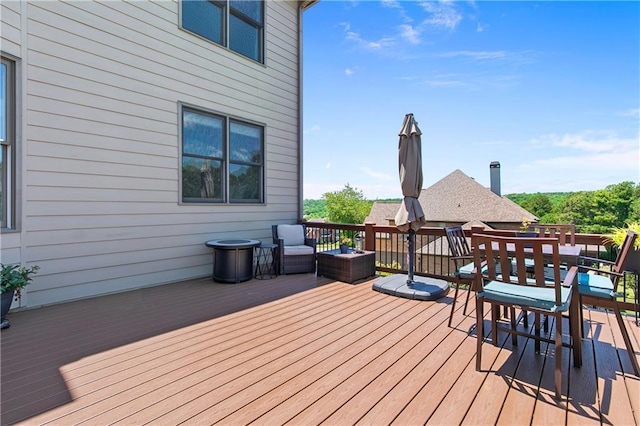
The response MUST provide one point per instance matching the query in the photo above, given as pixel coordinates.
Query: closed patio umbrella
(410, 216)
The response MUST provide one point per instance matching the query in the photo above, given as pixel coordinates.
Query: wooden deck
(299, 350)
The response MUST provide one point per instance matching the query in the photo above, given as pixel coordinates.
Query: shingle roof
(457, 198)
(382, 213)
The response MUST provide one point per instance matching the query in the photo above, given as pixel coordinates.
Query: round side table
(266, 261)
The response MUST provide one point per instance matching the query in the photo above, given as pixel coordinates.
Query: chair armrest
(600, 271)
(311, 242)
(570, 278)
(596, 260)
(469, 257)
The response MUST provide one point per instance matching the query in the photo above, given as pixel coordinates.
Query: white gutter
(302, 6)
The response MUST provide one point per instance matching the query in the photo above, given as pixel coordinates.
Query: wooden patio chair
(565, 232)
(296, 252)
(600, 288)
(463, 260)
(527, 290)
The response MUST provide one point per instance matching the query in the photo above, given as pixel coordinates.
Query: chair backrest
(457, 241)
(624, 251)
(565, 233)
(293, 235)
(493, 254)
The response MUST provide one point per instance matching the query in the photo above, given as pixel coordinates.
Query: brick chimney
(494, 170)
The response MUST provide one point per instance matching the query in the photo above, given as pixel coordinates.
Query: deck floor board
(300, 350)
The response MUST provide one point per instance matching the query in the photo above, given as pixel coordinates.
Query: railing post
(369, 236)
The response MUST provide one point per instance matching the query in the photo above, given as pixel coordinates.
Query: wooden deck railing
(432, 253)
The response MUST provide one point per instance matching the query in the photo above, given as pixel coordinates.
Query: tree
(347, 205)
(538, 204)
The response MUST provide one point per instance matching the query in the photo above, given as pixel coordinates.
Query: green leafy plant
(618, 235)
(525, 224)
(16, 277)
(346, 241)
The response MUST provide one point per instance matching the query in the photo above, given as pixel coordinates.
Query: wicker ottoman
(347, 267)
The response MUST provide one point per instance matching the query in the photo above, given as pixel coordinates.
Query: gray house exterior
(132, 134)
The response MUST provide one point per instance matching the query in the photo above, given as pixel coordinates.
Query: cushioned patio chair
(296, 252)
(463, 260)
(527, 290)
(600, 288)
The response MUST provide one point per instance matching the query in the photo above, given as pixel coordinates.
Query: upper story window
(222, 159)
(7, 142)
(236, 24)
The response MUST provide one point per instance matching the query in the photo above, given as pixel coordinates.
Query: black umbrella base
(421, 288)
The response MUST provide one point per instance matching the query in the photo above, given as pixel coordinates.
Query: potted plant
(14, 278)
(616, 238)
(345, 242)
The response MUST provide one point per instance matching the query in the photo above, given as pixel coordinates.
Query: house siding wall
(104, 81)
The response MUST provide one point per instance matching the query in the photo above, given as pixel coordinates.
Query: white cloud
(328, 165)
(314, 129)
(442, 14)
(479, 55)
(349, 71)
(593, 142)
(394, 4)
(410, 34)
(634, 112)
(375, 174)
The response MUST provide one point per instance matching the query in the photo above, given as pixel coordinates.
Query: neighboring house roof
(457, 198)
(382, 213)
(439, 248)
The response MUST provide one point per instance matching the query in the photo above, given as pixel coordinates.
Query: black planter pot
(7, 298)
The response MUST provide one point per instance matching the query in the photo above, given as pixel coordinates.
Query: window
(222, 159)
(236, 24)
(7, 142)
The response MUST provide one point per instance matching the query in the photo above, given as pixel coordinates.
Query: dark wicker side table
(348, 267)
(266, 261)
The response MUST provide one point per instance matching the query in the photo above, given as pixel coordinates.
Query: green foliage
(538, 204)
(618, 234)
(347, 205)
(16, 277)
(593, 212)
(314, 209)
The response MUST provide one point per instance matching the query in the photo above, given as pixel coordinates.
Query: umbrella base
(421, 288)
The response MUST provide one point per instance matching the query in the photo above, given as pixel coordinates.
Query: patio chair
(528, 290)
(565, 232)
(296, 253)
(463, 260)
(600, 288)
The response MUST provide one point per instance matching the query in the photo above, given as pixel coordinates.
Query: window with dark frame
(236, 24)
(222, 159)
(7, 142)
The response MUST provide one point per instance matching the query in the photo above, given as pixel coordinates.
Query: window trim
(9, 146)
(227, 119)
(225, 36)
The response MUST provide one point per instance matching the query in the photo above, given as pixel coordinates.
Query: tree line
(593, 212)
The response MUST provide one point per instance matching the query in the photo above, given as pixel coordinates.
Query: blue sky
(551, 90)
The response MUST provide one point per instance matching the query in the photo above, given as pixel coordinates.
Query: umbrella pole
(412, 249)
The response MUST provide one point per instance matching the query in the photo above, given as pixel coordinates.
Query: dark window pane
(203, 18)
(245, 143)
(244, 183)
(202, 134)
(244, 38)
(251, 8)
(201, 179)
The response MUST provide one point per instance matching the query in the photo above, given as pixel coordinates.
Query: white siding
(103, 85)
